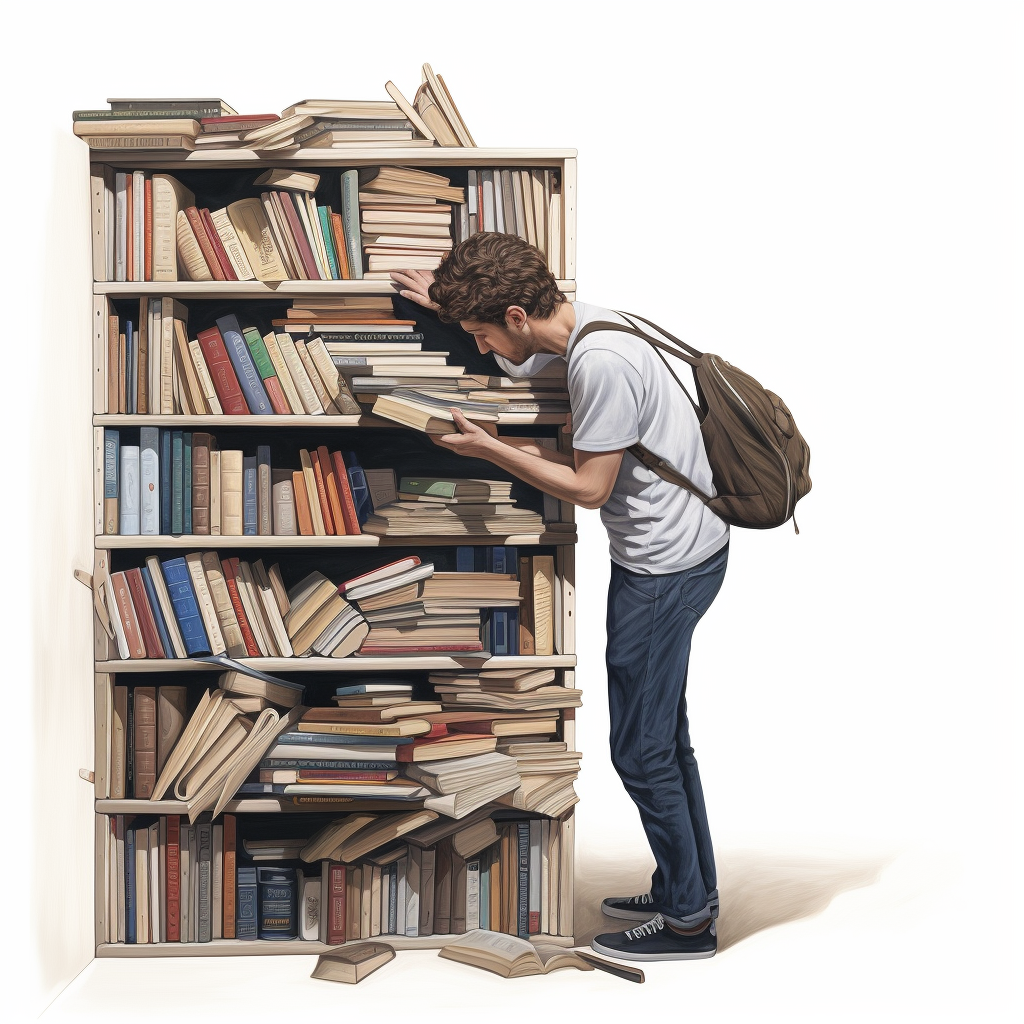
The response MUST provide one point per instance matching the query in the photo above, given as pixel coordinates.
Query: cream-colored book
(284, 375)
(257, 239)
(323, 397)
(543, 604)
(190, 380)
(430, 110)
(189, 253)
(409, 110)
(169, 197)
(203, 375)
(207, 609)
(272, 612)
(214, 492)
(232, 245)
(268, 649)
(166, 607)
(316, 232)
(226, 617)
(283, 223)
(182, 401)
(142, 885)
(302, 208)
(231, 511)
(277, 585)
(333, 382)
(540, 209)
(555, 235)
(284, 254)
(309, 478)
(303, 385)
(170, 310)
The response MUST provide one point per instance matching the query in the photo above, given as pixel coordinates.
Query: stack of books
(206, 124)
(180, 482)
(406, 218)
(319, 621)
(429, 506)
(548, 771)
(346, 318)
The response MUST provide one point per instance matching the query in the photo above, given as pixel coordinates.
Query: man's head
(493, 284)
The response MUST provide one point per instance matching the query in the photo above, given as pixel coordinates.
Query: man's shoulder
(609, 340)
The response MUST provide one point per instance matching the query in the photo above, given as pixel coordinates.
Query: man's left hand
(476, 440)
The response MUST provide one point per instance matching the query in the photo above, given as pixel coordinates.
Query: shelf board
(412, 156)
(257, 805)
(266, 947)
(363, 540)
(369, 663)
(255, 289)
(514, 419)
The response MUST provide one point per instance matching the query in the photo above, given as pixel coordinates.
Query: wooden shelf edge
(267, 947)
(255, 289)
(514, 419)
(370, 663)
(111, 542)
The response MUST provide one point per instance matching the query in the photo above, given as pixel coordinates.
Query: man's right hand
(413, 284)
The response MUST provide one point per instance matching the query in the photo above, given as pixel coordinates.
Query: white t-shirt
(620, 393)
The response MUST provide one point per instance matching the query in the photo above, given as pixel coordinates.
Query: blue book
(186, 483)
(177, 481)
(245, 369)
(249, 503)
(186, 608)
(111, 467)
(245, 903)
(130, 370)
(129, 885)
(278, 903)
(165, 481)
(260, 789)
(464, 558)
(359, 487)
(158, 615)
(505, 560)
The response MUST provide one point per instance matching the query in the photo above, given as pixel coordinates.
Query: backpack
(758, 457)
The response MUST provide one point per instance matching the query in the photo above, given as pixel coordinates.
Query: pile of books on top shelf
(204, 124)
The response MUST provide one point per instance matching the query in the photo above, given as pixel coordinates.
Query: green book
(432, 487)
(260, 355)
(186, 483)
(177, 480)
(324, 214)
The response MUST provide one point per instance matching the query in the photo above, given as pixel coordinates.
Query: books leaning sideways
(208, 124)
(455, 506)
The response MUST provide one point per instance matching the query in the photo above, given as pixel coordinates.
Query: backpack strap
(644, 455)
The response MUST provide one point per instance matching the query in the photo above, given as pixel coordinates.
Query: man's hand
(413, 284)
(476, 440)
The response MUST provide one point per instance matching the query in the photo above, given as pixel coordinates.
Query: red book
(126, 611)
(148, 229)
(336, 905)
(321, 490)
(225, 383)
(195, 219)
(144, 614)
(275, 393)
(172, 906)
(230, 879)
(218, 246)
(129, 217)
(348, 505)
(309, 263)
(230, 567)
(340, 775)
(331, 485)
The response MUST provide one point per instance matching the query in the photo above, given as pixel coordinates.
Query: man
(668, 551)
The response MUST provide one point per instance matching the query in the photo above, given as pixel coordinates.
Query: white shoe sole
(619, 954)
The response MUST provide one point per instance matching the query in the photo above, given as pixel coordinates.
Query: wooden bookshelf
(129, 549)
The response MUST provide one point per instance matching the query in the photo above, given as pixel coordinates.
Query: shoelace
(642, 899)
(656, 924)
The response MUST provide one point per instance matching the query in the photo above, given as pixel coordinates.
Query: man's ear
(515, 318)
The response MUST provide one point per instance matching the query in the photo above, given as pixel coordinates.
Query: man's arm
(588, 481)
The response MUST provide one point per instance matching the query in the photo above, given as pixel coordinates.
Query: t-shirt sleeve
(532, 365)
(605, 392)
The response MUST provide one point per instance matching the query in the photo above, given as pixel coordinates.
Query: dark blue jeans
(650, 624)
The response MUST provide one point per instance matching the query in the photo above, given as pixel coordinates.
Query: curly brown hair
(488, 272)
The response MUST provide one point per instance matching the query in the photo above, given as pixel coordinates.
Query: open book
(509, 956)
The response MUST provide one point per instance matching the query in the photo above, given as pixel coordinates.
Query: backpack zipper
(713, 360)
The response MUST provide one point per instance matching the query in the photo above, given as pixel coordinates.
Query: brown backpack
(759, 460)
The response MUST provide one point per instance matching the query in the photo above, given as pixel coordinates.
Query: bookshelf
(212, 173)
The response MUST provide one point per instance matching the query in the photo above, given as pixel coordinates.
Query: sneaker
(655, 940)
(643, 907)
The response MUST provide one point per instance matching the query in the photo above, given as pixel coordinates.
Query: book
(246, 374)
(509, 955)
(186, 609)
(353, 963)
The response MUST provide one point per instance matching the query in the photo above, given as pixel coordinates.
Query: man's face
(512, 344)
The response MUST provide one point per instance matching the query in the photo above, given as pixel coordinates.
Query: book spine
(144, 614)
(360, 489)
(324, 214)
(201, 483)
(149, 478)
(165, 212)
(119, 746)
(217, 883)
(337, 913)
(218, 246)
(332, 488)
(321, 493)
(267, 371)
(126, 614)
(221, 368)
(189, 254)
(177, 481)
(145, 741)
(231, 493)
(523, 879)
(186, 608)
(473, 894)
(230, 566)
(230, 877)
(246, 911)
(284, 523)
(129, 737)
(340, 247)
(195, 221)
(292, 215)
(166, 486)
(130, 490)
(111, 457)
(148, 229)
(204, 928)
(264, 525)
(534, 888)
(249, 473)
(186, 482)
(350, 221)
(129, 888)
(278, 918)
(232, 246)
(245, 370)
(226, 617)
(172, 906)
(120, 225)
(158, 616)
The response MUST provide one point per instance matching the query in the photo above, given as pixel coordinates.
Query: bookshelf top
(369, 663)
(449, 156)
(255, 289)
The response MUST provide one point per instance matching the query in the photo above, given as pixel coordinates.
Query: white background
(828, 194)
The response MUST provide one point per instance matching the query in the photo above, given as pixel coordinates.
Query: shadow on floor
(759, 890)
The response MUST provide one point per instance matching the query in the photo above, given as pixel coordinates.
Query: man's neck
(552, 334)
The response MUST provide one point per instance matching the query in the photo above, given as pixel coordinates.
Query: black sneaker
(643, 907)
(655, 940)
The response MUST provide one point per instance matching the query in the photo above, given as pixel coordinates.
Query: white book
(138, 225)
(214, 493)
(109, 225)
(207, 609)
(412, 891)
(121, 225)
(489, 216)
(472, 894)
(534, 887)
(131, 490)
(310, 909)
(115, 620)
(149, 475)
(154, 323)
(555, 235)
